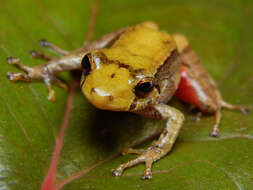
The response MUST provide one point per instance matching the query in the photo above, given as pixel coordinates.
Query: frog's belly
(192, 91)
(186, 91)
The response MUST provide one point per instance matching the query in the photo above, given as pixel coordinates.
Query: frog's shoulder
(142, 46)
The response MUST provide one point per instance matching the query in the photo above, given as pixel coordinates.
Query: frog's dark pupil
(146, 87)
(143, 88)
(86, 64)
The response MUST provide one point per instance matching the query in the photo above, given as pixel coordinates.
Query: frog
(135, 69)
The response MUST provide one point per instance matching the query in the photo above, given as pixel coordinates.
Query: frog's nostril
(92, 90)
(111, 98)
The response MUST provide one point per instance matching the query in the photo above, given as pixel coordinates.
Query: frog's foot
(37, 73)
(198, 116)
(215, 130)
(147, 156)
(18, 76)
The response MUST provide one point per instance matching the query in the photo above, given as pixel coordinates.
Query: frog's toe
(40, 55)
(51, 95)
(198, 116)
(56, 49)
(12, 76)
(229, 106)
(147, 176)
(117, 172)
(43, 42)
(12, 60)
(214, 133)
(245, 111)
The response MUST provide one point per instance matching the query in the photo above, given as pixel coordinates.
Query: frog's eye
(86, 65)
(142, 89)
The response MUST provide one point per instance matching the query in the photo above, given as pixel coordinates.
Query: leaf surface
(220, 31)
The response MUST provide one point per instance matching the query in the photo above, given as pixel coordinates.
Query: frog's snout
(109, 88)
(103, 99)
(102, 93)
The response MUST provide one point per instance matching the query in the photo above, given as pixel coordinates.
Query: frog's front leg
(162, 146)
(47, 72)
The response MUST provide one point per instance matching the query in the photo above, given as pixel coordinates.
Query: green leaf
(221, 33)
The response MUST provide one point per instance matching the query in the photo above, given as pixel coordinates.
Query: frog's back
(142, 47)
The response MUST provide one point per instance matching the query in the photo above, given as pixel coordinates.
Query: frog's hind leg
(197, 87)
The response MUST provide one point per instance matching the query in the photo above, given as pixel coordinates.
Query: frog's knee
(178, 115)
(181, 41)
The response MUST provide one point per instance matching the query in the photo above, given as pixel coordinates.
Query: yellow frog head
(112, 85)
(127, 75)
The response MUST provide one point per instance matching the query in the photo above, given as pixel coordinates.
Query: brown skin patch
(104, 59)
(168, 68)
(167, 72)
(113, 75)
(167, 42)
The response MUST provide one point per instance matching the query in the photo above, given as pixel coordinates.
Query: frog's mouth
(106, 101)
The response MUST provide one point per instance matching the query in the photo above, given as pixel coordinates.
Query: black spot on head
(113, 75)
(124, 65)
